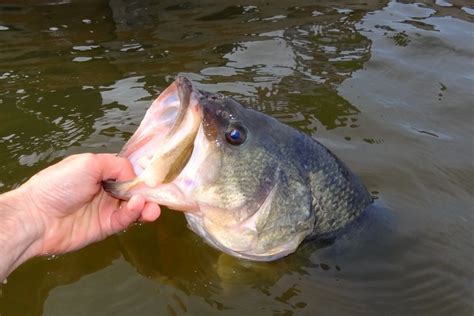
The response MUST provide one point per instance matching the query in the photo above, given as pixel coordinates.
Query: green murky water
(388, 86)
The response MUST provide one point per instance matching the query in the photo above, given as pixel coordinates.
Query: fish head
(224, 165)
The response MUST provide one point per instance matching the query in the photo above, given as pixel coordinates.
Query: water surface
(387, 86)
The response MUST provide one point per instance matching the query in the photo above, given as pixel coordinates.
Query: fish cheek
(275, 229)
(290, 211)
(239, 186)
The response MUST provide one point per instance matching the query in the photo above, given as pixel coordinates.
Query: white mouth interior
(153, 130)
(170, 107)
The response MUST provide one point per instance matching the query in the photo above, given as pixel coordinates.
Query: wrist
(20, 233)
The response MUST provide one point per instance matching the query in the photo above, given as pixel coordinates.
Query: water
(387, 86)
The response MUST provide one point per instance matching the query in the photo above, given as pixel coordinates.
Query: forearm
(18, 234)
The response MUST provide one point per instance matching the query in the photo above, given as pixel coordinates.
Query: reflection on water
(385, 85)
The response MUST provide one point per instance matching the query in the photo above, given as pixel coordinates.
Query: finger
(150, 212)
(114, 167)
(127, 214)
(136, 203)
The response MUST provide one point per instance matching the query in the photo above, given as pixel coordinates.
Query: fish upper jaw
(163, 141)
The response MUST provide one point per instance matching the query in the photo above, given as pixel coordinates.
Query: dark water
(387, 86)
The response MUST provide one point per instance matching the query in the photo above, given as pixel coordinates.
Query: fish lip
(184, 88)
(109, 186)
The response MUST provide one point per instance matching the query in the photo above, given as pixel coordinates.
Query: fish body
(249, 185)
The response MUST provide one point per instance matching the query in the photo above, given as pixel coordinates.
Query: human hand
(69, 208)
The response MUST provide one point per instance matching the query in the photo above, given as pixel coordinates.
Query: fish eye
(236, 134)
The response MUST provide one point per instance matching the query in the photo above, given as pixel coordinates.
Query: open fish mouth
(250, 185)
(163, 143)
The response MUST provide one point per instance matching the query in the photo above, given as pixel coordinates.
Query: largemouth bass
(249, 185)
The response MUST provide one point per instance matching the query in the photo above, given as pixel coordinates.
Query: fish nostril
(216, 96)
